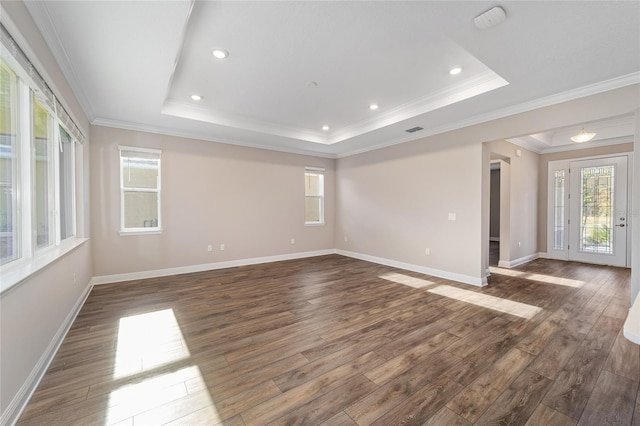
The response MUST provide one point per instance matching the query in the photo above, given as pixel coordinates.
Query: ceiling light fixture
(455, 71)
(325, 128)
(220, 53)
(196, 97)
(373, 107)
(583, 136)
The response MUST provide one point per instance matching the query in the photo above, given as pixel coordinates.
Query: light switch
(452, 216)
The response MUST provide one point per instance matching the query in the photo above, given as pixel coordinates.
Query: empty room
(319, 213)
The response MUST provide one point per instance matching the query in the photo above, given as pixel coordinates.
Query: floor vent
(414, 129)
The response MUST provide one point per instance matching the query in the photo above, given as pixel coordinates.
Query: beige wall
(519, 188)
(544, 186)
(33, 312)
(250, 200)
(394, 203)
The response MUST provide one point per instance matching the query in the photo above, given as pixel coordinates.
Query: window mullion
(25, 199)
(55, 153)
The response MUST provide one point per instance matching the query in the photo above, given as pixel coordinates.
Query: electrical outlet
(210, 247)
(221, 247)
(293, 241)
(345, 239)
(427, 251)
(519, 244)
(452, 216)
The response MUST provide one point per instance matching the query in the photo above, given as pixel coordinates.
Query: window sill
(140, 232)
(18, 271)
(314, 224)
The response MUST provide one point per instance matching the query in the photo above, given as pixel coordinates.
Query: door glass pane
(596, 209)
(9, 235)
(558, 210)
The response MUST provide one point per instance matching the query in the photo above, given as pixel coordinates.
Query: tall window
(67, 185)
(313, 196)
(140, 186)
(9, 225)
(43, 166)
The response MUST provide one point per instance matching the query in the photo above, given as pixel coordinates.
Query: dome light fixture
(583, 136)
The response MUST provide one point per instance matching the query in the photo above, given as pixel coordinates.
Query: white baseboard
(518, 262)
(466, 279)
(116, 278)
(543, 255)
(494, 239)
(13, 411)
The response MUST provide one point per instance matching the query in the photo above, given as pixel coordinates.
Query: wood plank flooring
(337, 341)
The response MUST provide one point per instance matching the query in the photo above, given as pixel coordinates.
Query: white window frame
(315, 171)
(144, 230)
(31, 259)
(74, 214)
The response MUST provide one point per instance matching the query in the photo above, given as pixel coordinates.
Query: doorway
(588, 210)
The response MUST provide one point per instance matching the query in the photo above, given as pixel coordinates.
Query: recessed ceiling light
(220, 53)
(196, 97)
(373, 107)
(325, 128)
(456, 70)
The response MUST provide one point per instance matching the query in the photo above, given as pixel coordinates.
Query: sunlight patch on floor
(147, 341)
(177, 395)
(406, 280)
(547, 279)
(507, 306)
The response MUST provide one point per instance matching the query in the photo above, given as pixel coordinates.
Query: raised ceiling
(294, 67)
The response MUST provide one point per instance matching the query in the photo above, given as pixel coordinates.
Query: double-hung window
(38, 143)
(313, 196)
(9, 159)
(140, 186)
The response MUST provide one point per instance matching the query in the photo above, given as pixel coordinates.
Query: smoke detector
(490, 18)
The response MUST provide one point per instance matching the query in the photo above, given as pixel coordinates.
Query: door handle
(621, 225)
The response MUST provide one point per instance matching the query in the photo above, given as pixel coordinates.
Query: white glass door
(598, 211)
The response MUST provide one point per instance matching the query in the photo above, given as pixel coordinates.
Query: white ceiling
(136, 64)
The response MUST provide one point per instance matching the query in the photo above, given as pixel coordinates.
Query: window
(9, 237)
(140, 190)
(313, 196)
(43, 167)
(67, 186)
(38, 142)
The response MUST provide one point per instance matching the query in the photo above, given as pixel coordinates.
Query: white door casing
(587, 216)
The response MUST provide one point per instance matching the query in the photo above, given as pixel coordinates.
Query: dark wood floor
(337, 341)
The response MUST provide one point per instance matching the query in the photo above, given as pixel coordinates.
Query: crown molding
(593, 144)
(124, 125)
(478, 85)
(581, 92)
